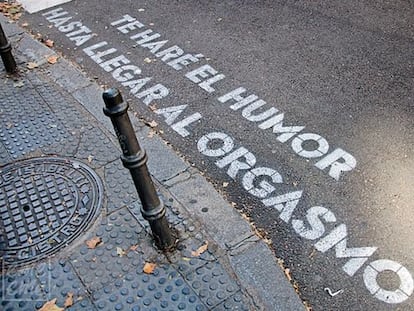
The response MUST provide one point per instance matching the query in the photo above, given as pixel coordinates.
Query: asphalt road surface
(301, 113)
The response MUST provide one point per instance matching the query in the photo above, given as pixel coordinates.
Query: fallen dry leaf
(151, 134)
(49, 43)
(149, 267)
(18, 84)
(245, 217)
(69, 300)
(312, 253)
(25, 24)
(225, 184)
(51, 306)
(90, 158)
(153, 124)
(148, 60)
(288, 275)
(307, 306)
(120, 252)
(200, 250)
(134, 247)
(32, 65)
(52, 59)
(94, 242)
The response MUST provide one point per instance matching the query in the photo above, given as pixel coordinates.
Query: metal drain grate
(45, 203)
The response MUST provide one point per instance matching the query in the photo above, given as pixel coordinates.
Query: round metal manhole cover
(45, 203)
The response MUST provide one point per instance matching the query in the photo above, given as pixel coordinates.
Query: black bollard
(134, 158)
(5, 52)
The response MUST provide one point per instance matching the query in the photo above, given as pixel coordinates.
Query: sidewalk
(71, 227)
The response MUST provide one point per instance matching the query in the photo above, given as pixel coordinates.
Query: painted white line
(33, 6)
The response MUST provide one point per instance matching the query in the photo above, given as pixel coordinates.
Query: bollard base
(9, 62)
(161, 230)
(164, 237)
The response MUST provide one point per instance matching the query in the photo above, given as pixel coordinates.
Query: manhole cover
(45, 203)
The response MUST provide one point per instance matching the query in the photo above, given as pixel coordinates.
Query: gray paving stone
(177, 179)
(163, 163)
(90, 97)
(67, 76)
(201, 200)
(10, 28)
(258, 271)
(31, 50)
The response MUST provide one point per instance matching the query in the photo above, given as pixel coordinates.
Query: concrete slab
(203, 202)
(163, 163)
(68, 77)
(259, 272)
(10, 28)
(91, 98)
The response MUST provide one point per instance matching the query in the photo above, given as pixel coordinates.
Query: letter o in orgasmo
(226, 145)
(397, 296)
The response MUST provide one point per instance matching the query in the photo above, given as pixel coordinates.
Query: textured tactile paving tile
(27, 122)
(104, 265)
(164, 289)
(59, 280)
(235, 302)
(20, 290)
(212, 284)
(121, 189)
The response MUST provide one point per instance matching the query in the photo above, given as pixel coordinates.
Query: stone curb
(250, 258)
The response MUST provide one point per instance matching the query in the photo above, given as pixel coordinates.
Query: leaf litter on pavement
(69, 300)
(11, 10)
(51, 306)
(32, 65)
(52, 59)
(149, 267)
(200, 250)
(94, 242)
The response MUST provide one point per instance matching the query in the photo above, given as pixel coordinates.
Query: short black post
(5, 52)
(134, 158)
